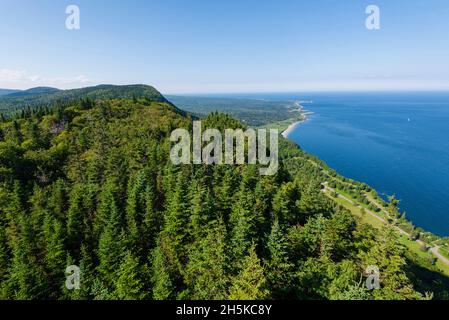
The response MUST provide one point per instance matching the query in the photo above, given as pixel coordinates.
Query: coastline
(295, 124)
(303, 114)
(287, 125)
(431, 241)
(290, 128)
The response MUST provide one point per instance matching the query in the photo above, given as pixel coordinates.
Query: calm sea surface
(396, 142)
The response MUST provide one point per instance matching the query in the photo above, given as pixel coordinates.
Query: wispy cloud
(22, 79)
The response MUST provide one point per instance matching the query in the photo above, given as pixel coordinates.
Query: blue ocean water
(396, 142)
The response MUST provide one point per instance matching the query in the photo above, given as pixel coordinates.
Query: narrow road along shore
(433, 250)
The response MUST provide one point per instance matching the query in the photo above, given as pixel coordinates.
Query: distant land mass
(31, 91)
(46, 96)
(4, 92)
(252, 112)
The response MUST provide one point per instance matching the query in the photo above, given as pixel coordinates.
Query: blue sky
(200, 46)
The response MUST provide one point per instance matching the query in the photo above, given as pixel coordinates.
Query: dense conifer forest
(88, 181)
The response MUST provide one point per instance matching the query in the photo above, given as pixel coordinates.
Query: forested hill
(89, 183)
(31, 91)
(46, 98)
(4, 92)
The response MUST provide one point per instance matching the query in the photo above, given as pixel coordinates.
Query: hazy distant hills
(11, 93)
(4, 92)
(32, 91)
(46, 96)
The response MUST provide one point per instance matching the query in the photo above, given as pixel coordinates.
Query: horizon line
(192, 93)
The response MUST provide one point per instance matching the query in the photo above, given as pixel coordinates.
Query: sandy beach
(290, 128)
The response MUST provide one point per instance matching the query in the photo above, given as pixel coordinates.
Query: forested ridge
(42, 97)
(90, 183)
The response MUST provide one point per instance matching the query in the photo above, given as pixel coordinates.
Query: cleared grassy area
(411, 245)
(284, 124)
(444, 252)
(443, 267)
(365, 217)
(364, 205)
(415, 248)
(375, 201)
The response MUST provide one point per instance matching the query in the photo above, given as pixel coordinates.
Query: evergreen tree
(250, 283)
(163, 287)
(173, 236)
(202, 210)
(284, 203)
(106, 206)
(279, 268)
(4, 260)
(26, 278)
(152, 219)
(392, 208)
(14, 209)
(206, 271)
(55, 255)
(387, 255)
(337, 236)
(243, 220)
(75, 219)
(311, 203)
(86, 276)
(57, 199)
(129, 284)
(135, 208)
(225, 191)
(16, 135)
(111, 243)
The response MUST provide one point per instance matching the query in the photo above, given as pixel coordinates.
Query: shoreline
(303, 113)
(295, 124)
(290, 128)
(429, 238)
